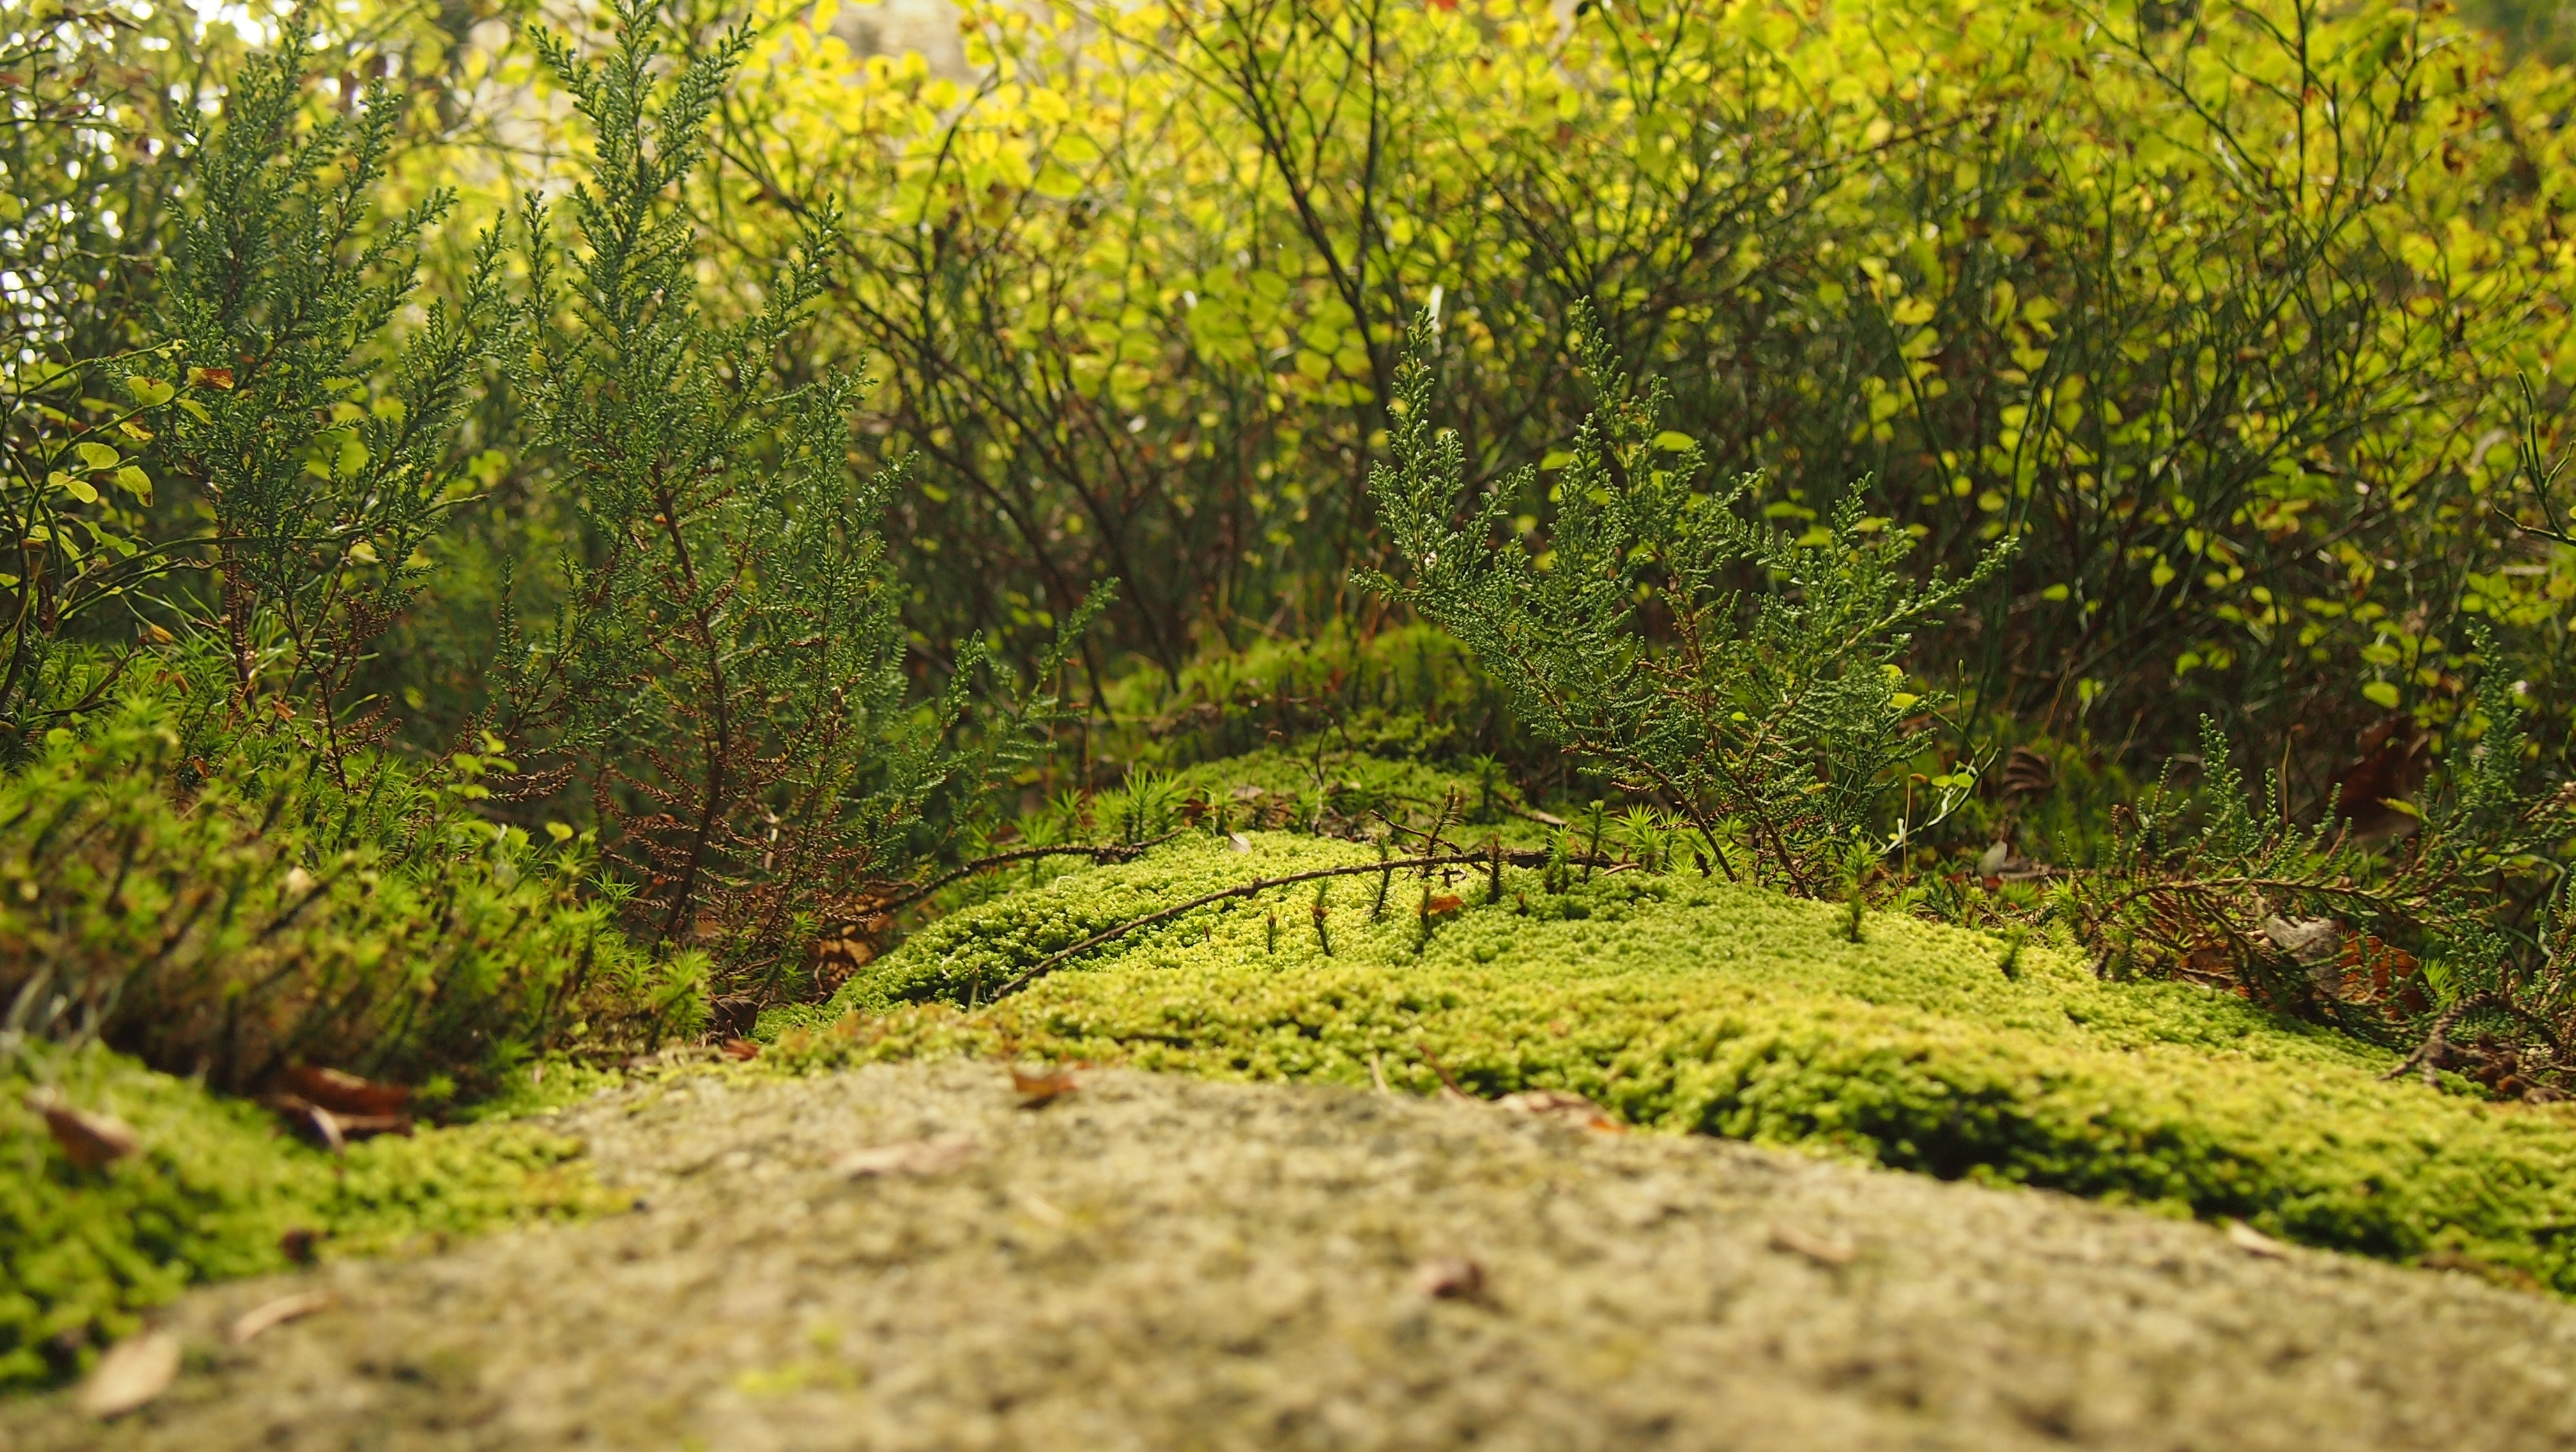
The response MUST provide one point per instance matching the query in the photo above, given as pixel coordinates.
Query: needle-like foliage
(326, 460)
(1751, 680)
(2394, 940)
(730, 670)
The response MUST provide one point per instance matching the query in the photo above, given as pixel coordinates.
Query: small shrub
(1749, 679)
(2388, 939)
(730, 671)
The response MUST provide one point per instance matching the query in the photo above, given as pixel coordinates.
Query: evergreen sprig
(1752, 680)
(730, 668)
(2215, 885)
(328, 460)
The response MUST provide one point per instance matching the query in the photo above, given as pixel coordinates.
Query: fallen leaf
(1441, 904)
(1238, 841)
(1564, 1107)
(740, 1049)
(299, 1243)
(347, 1093)
(910, 1157)
(275, 1313)
(1450, 1278)
(334, 1131)
(90, 1140)
(1823, 1250)
(2254, 1242)
(132, 1373)
(1042, 1087)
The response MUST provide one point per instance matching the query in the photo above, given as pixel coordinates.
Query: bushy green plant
(207, 936)
(325, 454)
(2209, 306)
(89, 90)
(730, 671)
(2391, 939)
(1747, 678)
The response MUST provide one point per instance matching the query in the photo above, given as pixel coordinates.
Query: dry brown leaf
(2254, 1242)
(1564, 1107)
(1823, 1250)
(131, 1374)
(1442, 904)
(910, 1157)
(271, 1314)
(741, 1049)
(1450, 1278)
(347, 1093)
(90, 1140)
(333, 1131)
(1042, 1087)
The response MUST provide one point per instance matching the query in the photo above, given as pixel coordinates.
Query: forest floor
(914, 1256)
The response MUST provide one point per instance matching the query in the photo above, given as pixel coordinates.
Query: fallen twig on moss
(1101, 854)
(1053, 961)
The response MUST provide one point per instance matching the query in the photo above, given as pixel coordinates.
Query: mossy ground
(1679, 1002)
(1690, 1005)
(212, 1196)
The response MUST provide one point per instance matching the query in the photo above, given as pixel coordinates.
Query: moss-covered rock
(214, 1193)
(1690, 1005)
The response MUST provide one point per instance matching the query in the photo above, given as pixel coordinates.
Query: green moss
(1692, 1006)
(214, 1194)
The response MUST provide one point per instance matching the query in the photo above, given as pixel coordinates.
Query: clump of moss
(216, 1192)
(227, 917)
(1690, 1005)
(1407, 693)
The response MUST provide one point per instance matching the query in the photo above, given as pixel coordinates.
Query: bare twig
(1054, 961)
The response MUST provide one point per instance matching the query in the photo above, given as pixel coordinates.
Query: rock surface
(906, 1257)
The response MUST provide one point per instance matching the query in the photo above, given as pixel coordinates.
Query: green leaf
(96, 456)
(1057, 182)
(2381, 693)
(1674, 443)
(135, 482)
(150, 392)
(353, 455)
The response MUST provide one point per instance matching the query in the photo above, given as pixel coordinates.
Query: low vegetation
(1684, 1003)
(1977, 585)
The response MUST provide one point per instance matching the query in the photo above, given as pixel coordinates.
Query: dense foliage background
(668, 454)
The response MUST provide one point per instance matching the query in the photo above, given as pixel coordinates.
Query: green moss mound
(1689, 1005)
(214, 1193)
